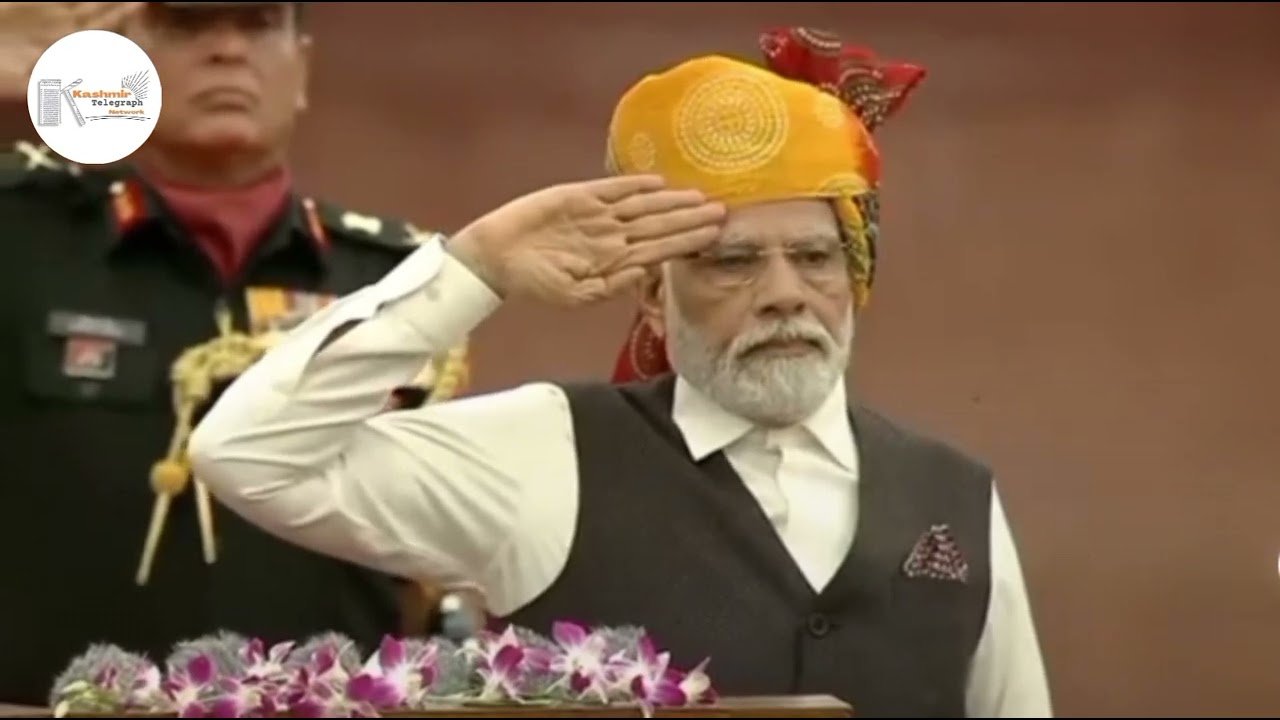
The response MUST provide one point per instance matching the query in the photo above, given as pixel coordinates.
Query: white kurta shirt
(485, 489)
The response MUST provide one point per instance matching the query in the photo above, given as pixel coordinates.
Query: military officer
(134, 292)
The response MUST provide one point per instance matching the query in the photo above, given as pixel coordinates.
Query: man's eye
(186, 22)
(813, 257)
(261, 19)
(733, 261)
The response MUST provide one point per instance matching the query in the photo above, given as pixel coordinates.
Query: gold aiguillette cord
(193, 377)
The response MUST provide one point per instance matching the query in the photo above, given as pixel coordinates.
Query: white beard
(773, 391)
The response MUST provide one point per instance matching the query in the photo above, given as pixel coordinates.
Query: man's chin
(225, 135)
(774, 393)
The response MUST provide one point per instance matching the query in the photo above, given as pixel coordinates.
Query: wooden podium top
(804, 706)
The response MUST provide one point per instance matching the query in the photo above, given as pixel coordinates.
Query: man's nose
(780, 289)
(225, 40)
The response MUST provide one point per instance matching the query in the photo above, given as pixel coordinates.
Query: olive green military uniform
(102, 292)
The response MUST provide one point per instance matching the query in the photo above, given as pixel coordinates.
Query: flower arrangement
(230, 676)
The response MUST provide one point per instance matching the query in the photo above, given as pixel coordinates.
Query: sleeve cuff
(431, 302)
(445, 310)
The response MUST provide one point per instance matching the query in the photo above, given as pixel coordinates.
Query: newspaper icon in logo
(49, 102)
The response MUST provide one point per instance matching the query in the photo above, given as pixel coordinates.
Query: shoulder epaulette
(27, 163)
(386, 232)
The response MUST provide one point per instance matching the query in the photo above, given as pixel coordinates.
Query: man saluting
(739, 506)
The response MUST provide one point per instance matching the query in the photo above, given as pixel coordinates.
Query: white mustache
(807, 330)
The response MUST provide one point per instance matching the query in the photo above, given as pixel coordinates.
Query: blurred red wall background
(1078, 279)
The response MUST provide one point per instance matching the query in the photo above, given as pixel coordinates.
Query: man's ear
(304, 70)
(653, 295)
(131, 21)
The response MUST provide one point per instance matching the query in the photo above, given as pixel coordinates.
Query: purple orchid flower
(261, 661)
(395, 675)
(510, 667)
(213, 696)
(582, 663)
(185, 684)
(319, 688)
(229, 675)
(312, 693)
(654, 683)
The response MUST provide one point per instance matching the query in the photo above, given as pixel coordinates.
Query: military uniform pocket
(76, 357)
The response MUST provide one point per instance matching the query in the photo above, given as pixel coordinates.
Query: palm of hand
(578, 243)
(571, 250)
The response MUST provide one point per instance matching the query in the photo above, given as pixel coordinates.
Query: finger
(624, 280)
(613, 189)
(652, 203)
(674, 222)
(651, 252)
(603, 287)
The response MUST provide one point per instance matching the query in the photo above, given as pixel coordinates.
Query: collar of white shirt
(707, 427)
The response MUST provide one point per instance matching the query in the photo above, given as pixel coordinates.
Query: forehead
(197, 15)
(781, 222)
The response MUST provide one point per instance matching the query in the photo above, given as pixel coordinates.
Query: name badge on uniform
(276, 310)
(91, 343)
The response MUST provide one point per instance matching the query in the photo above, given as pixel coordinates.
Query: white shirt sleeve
(1008, 678)
(479, 490)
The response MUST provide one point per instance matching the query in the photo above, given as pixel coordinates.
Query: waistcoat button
(819, 625)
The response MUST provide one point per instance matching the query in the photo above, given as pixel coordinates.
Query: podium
(790, 706)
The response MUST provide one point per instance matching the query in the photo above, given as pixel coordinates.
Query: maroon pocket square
(937, 556)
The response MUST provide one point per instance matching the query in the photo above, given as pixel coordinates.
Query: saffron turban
(798, 127)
